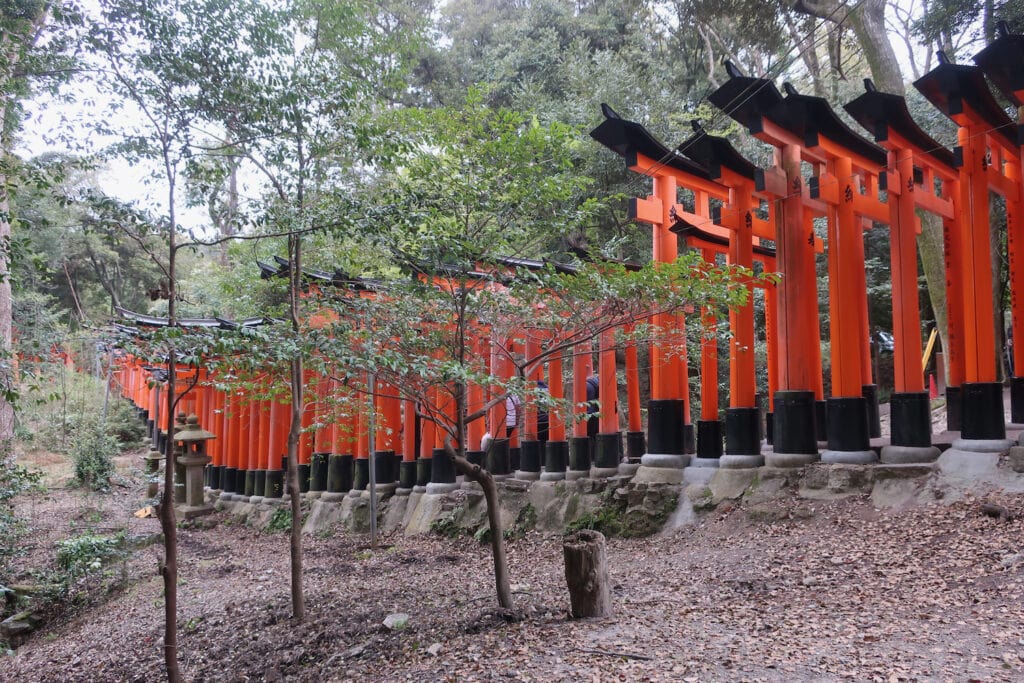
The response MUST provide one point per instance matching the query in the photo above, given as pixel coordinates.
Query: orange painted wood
(633, 386)
(906, 317)
(608, 377)
(556, 385)
(263, 435)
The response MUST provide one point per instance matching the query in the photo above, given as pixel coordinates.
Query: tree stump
(586, 573)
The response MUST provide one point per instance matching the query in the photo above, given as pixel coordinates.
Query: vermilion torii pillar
(986, 137)
(580, 457)
(1003, 63)
(915, 163)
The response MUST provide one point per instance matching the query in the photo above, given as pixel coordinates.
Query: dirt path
(830, 592)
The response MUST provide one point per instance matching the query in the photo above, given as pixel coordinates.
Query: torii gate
(784, 124)
(669, 431)
(847, 181)
(736, 231)
(988, 157)
(1003, 63)
(916, 162)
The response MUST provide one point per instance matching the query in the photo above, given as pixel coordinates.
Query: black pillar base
(475, 457)
(149, 429)
(1017, 400)
(954, 408)
(579, 453)
(213, 474)
(911, 419)
(423, 468)
(821, 420)
(794, 430)
(636, 446)
(982, 416)
(514, 456)
(442, 470)
(339, 473)
(259, 485)
(556, 456)
(318, 472)
(689, 439)
(161, 442)
(709, 439)
(394, 459)
(407, 474)
(361, 474)
(743, 431)
(870, 392)
(496, 459)
(847, 424)
(608, 450)
(275, 484)
(383, 466)
(769, 428)
(665, 433)
(530, 456)
(228, 482)
(304, 474)
(245, 480)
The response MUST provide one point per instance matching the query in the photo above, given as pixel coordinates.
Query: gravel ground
(825, 591)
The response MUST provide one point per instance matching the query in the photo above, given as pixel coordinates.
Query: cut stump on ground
(586, 573)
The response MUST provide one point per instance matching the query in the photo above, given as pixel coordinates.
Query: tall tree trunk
(17, 37)
(295, 434)
(168, 518)
(867, 19)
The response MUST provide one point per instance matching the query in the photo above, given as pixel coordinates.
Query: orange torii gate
(916, 165)
(1003, 63)
(757, 104)
(669, 431)
(847, 181)
(735, 230)
(988, 159)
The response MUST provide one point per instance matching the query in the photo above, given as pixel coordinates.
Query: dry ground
(827, 591)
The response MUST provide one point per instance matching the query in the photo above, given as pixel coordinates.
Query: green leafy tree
(474, 185)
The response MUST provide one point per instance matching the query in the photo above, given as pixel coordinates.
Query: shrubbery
(13, 481)
(93, 452)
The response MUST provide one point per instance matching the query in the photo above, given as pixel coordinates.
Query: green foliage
(281, 520)
(14, 480)
(93, 453)
(88, 553)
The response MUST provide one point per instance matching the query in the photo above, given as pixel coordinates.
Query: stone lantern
(190, 450)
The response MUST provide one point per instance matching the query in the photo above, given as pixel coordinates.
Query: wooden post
(586, 573)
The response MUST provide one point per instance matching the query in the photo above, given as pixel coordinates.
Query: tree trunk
(295, 434)
(490, 487)
(868, 23)
(586, 573)
(168, 519)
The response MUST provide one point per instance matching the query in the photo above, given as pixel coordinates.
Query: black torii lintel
(745, 99)
(716, 153)
(685, 228)
(1003, 63)
(879, 111)
(145, 320)
(809, 117)
(950, 86)
(628, 138)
